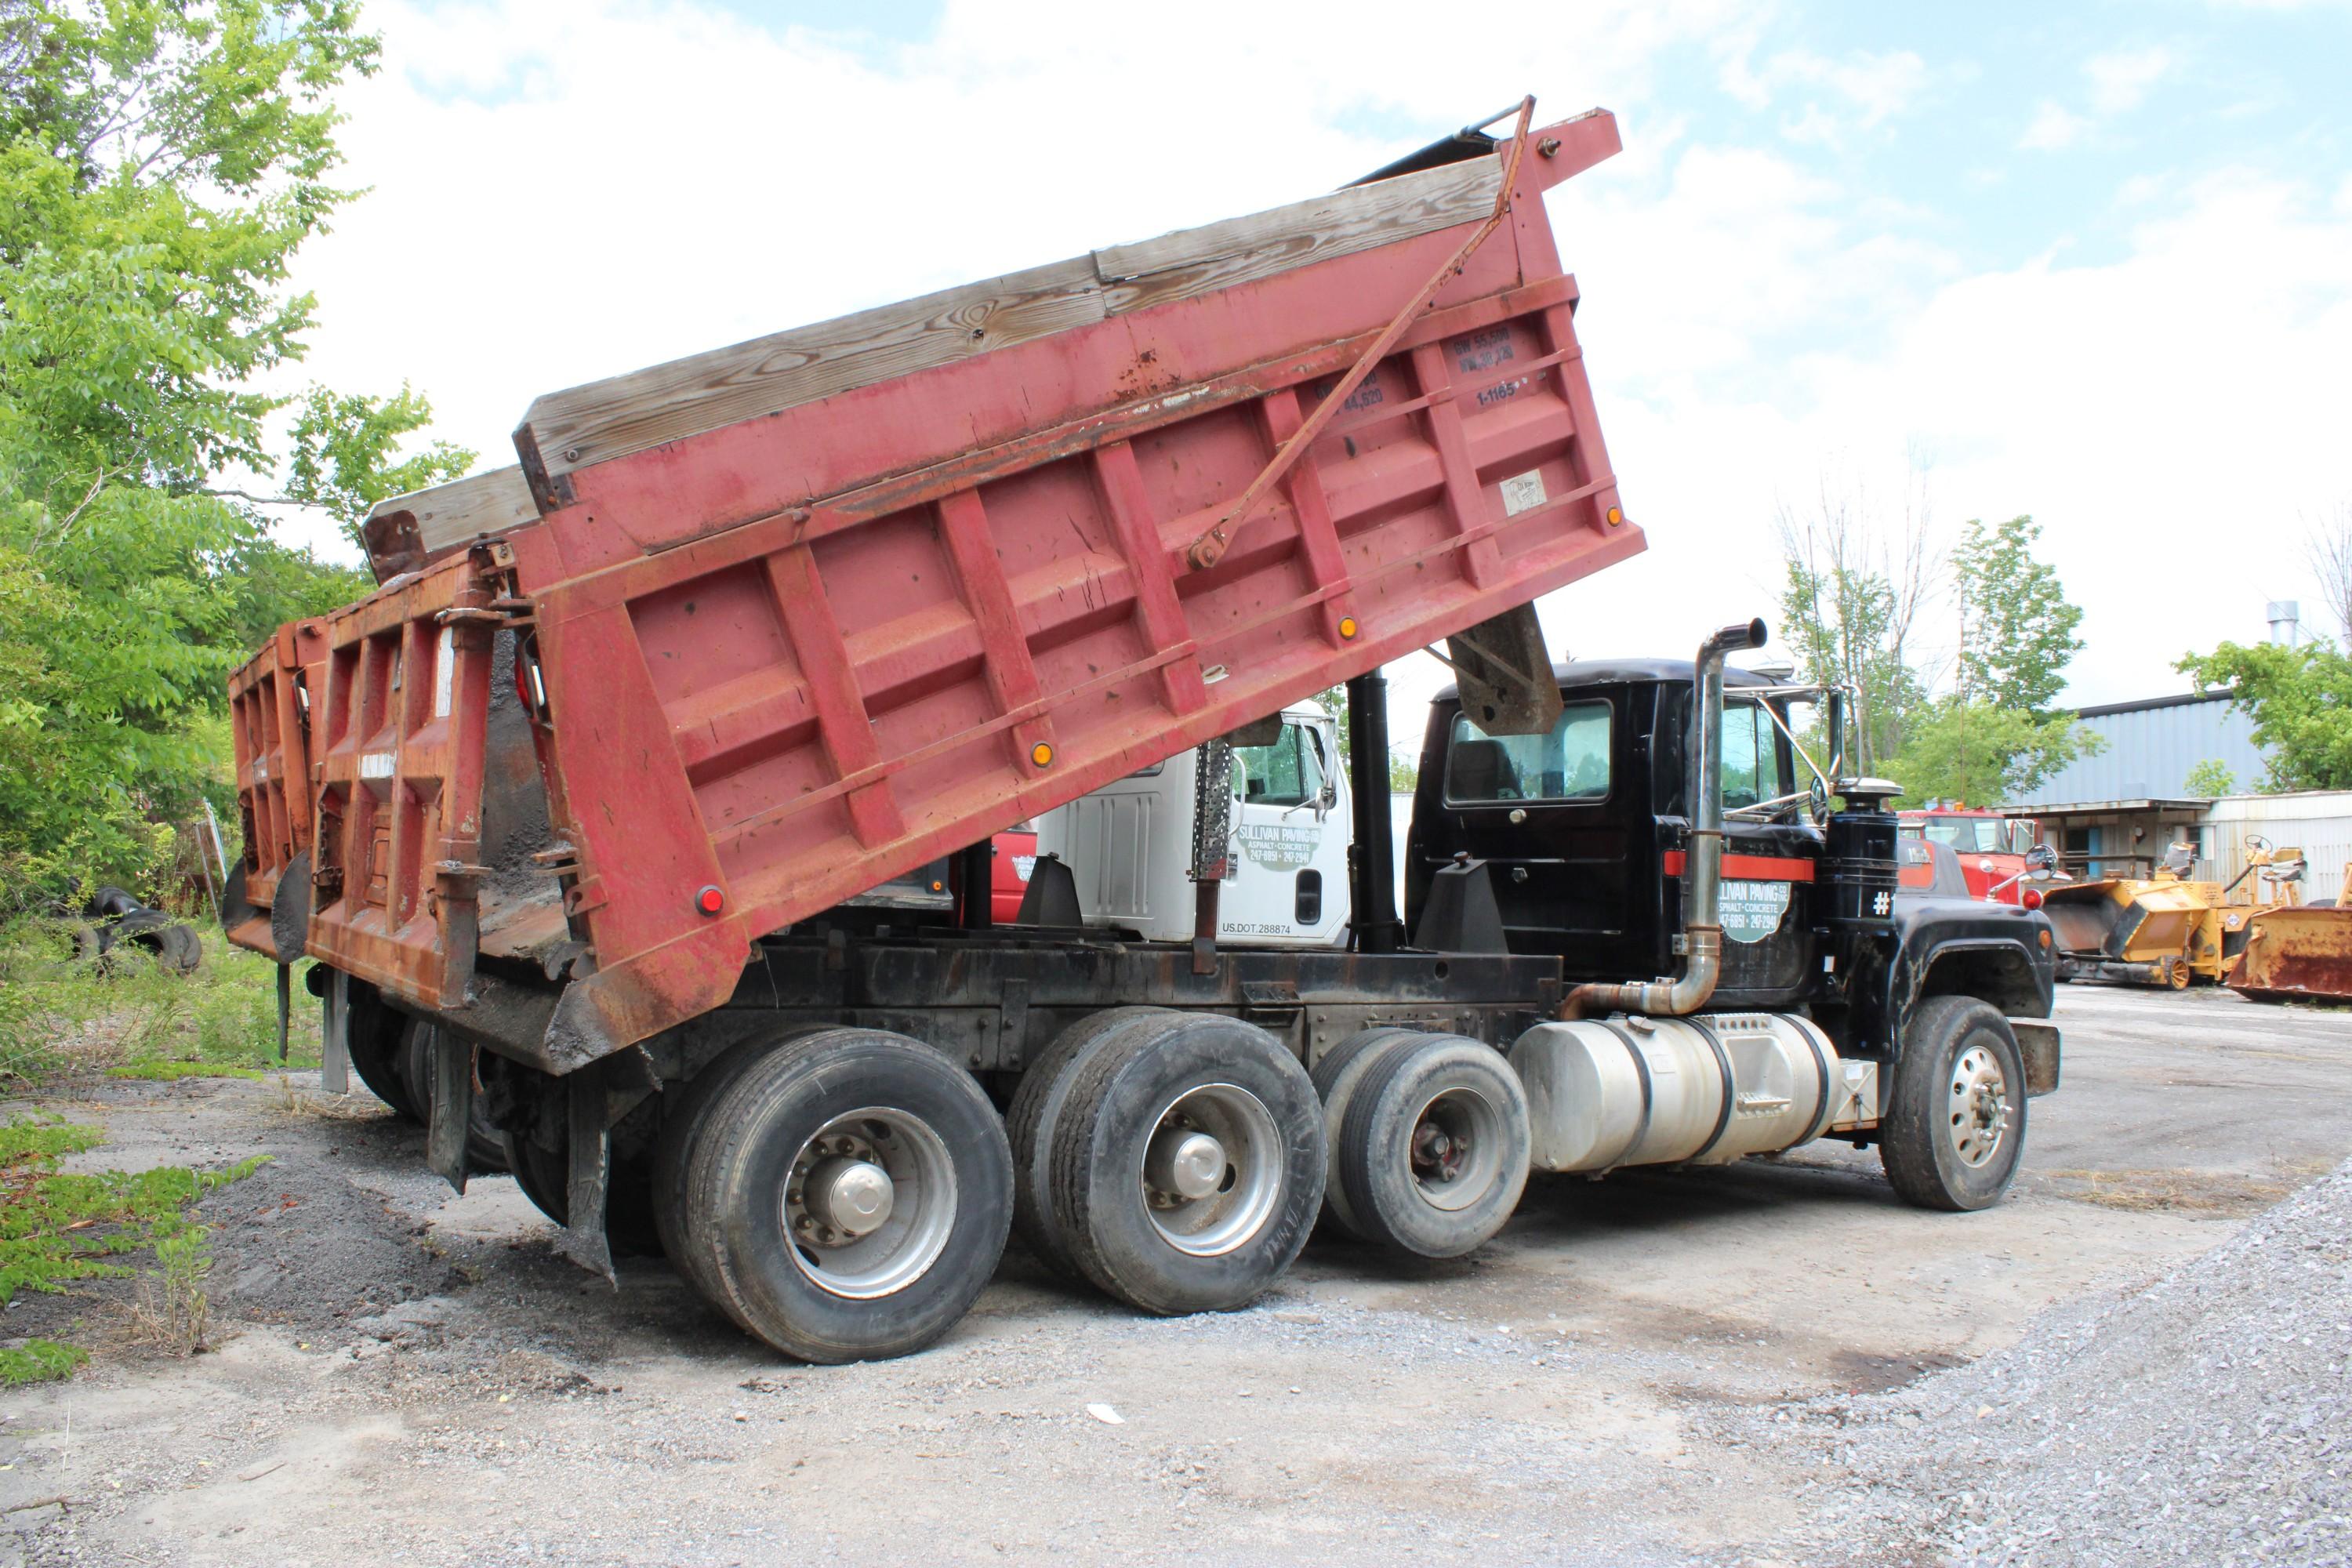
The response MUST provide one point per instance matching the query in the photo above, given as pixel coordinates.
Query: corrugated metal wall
(2318, 822)
(2150, 751)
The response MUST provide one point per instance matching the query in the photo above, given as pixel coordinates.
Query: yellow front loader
(2167, 930)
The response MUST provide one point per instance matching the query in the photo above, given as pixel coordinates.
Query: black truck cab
(1582, 829)
(1583, 833)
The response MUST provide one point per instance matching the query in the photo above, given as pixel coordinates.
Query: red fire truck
(1991, 847)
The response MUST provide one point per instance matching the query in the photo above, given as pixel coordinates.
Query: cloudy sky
(2091, 262)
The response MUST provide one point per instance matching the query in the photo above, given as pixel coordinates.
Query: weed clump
(64, 1006)
(58, 1227)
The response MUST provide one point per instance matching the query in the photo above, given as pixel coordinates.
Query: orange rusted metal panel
(270, 698)
(2296, 955)
(398, 744)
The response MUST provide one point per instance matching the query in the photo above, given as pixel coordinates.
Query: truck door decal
(1753, 911)
(1278, 848)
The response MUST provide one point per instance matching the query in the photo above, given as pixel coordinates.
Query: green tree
(1996, 737)
(160, 162)
(347, 454)
(1980, 753)
(2300, 699)
(2017, 627)
(2210, 778)
(1854, 582)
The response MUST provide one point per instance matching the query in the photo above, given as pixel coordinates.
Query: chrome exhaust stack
(1703, 861)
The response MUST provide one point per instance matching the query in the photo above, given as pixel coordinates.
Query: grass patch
(2177, 1191)
(58, 1227)
(164, 1071)
(39, 1361)
(62, 1009)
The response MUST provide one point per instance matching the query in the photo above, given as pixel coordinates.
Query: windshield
(1971, 835)
(1288, 773)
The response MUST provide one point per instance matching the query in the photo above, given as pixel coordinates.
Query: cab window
(1286, 774)
(1568, 762)
(1752, 772)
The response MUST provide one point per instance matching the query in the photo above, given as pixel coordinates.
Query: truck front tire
(1953, 1136)
(850, 1191)
(1188, 1165)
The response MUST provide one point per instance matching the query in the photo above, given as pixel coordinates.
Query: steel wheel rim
(922, 1187)
(1978, 1107)
(1248, 1193)
(1453, 1178)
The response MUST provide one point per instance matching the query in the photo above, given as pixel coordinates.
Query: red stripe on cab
(1751, 867)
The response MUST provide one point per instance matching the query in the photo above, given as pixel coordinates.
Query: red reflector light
(2030, 898)
(710, 900)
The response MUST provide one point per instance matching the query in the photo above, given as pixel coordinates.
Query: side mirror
(2041, 859)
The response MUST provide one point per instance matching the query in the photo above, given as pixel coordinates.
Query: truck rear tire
(852, 1191)
(376, 1039)
(683, 1120)
(488, 1152)
(1036, 1106)
(1956, 1129)
(1335, 1074)
(1188, 1165)
(1433, 1152)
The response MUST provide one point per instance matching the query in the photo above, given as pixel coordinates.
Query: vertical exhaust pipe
(1703, 861)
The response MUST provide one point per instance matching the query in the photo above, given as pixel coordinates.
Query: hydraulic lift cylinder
(1371, 859)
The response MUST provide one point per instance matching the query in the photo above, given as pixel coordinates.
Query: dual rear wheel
(844, 1194)
(1428, 1140)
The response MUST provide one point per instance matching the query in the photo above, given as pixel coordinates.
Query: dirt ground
(406, 1376)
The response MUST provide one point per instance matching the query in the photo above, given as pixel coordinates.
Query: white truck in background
(1128, 845)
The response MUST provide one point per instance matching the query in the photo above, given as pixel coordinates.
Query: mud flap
(2037, 1044)
(589, 1141)
(334, 1026)
(453, 1108)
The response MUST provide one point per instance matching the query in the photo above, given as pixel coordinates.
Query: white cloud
(1867, 89)
(2167, 415)
(567, 189)
(2053, 127)
(2119, 81)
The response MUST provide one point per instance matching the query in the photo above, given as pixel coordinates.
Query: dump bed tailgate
(269, 700)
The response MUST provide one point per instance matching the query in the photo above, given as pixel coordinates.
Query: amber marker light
(1348, 627)
(1041, 754)
(1616, 515)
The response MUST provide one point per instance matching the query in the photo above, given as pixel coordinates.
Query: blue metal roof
(2151, 747)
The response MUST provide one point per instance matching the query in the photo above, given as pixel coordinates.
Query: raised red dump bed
(794, 617)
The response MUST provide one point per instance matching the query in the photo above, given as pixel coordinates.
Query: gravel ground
(1773, 1363)
(2204, 1421)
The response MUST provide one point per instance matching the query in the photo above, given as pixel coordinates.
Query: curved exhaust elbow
(1703, 860)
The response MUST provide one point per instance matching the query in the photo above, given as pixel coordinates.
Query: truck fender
(1994, 969)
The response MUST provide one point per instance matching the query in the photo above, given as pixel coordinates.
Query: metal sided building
(2154, 744)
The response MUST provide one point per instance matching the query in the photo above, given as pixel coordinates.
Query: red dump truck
(639, 822)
